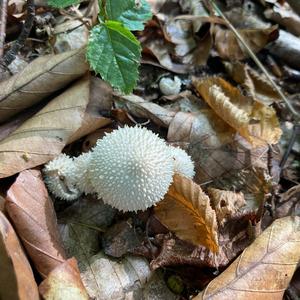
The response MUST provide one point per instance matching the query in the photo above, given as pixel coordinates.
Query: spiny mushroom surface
(59, 178)
(183, 162)
(131, 168)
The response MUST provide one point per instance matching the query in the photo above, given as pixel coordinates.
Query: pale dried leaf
(264, 269)
(229, 48)
(16, 277)
(64, 283)
(32, 213)
(186, 211)
(254, 121)
(225, 203)
(41, 78)
(43, 136)
(143, 109)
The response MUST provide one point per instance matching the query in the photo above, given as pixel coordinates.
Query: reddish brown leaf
(33, 216)
(64, 282)
(16, 277)
(186, 211)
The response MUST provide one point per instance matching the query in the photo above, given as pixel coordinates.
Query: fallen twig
(19, 43)
(3, 25)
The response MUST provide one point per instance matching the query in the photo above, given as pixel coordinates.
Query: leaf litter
(230, 231)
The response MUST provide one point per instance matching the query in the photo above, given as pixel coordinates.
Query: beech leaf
(186, 211)
(33, 216)
(44, 76)
(16, 277)
(254, 121)
(264, 269)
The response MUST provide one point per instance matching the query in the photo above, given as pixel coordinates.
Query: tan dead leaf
(295, 4)
(16, 277)
(254, 121)
(143, 109)
(225, 203)
(32, 213)
(44, 76)
(256, 84)
(186, 211)
(229, 48)
(264, 269)
(44, 135)
(63, 283)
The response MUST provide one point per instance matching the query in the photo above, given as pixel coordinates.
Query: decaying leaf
(225, 203)
(16, 277)
(80, 226)
(44, 135)
(143, 109)
(64, 282)
(283, 15)
(264, 269)
(229, 48)
(254, 121)
(40, 79)
(186, 211)
(32, 213)
(256, 84)
(129, 278)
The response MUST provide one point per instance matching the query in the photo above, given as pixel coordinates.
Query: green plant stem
(257, 61)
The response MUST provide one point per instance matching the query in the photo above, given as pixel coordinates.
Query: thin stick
(19, 43)
(3, 25)
(256, 60)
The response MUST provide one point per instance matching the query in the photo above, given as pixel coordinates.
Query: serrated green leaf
(114, 52)
(62, 3)
(131, 13)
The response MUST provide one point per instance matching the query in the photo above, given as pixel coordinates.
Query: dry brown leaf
(16, 277)
(254, 121)
(64, 282)
(229, 48)
(143, 109)
(257, 85)
(43, 136)
(225, 203)
(186, 211)
(264, 269)
(41, 78)
(32, 213)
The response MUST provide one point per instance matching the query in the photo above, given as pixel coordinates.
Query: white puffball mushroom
(58, 176)
(131, 168)
(183, 162)
(169, 86)
(82, 180)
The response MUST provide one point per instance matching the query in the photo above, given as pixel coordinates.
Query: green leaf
(114, 52)
(132, 13)
(62, 3)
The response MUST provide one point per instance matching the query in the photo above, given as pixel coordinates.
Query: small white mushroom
(183, 162)
(169, 86)
(59, 178)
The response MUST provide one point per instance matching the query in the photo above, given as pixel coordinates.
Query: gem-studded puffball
(131, 168)
(183, 162)
(59, 175)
